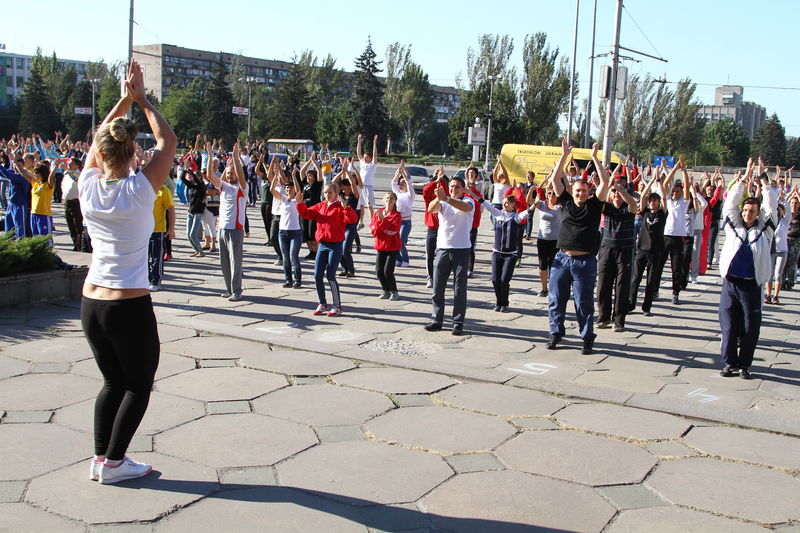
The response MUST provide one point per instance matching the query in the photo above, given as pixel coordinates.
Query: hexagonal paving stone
(12, 367)
(323, 405)
(381, 473)
(214, 347)
(297, 363)
(173, 483)
(24, 393)
(626, 381)
(394, 380)
(268, 509)
(677, 520)
(577, 457)
(164, 411)
(441, 429)
(28, 450)
(730, 489)
(626, 422)
(167, 333)
(501, 344)
(54, 349)
(512, 501)
(168, 365)
(500, 400)
(753, 446)
(216, 384)
(236, 440)
(23, 517)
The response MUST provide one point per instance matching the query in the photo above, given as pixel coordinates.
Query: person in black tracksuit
(650, 251)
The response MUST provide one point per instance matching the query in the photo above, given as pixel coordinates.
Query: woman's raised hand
(134, 84)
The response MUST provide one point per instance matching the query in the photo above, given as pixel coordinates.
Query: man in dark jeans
(432, 219)
(675, 229)
(651, 245)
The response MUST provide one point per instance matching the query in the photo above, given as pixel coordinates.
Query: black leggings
(384, 269)
(502, 272)
(124, 339)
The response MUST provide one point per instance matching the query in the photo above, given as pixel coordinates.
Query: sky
(713, 42)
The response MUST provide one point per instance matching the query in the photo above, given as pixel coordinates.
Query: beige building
(729, 103)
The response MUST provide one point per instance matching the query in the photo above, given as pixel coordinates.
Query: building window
(20, 63)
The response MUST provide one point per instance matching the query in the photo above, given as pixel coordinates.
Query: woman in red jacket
(332, 216)
(385, 227)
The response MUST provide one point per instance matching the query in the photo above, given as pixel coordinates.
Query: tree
(793, 153)
(725, 143)
(78, 126)
(770, 142)
(368, 112)
(138, 116)
(291, 114)
(333, 125)
(183, 105)
(683, 129)
(38, 114)
(397, 58)
(417, 104)
(109, 92)
(60, 80)
(217, 117)
(545, 89)
(491, 59)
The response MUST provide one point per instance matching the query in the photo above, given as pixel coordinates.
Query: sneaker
(350, 275)
(360, 226)
(167, 257)
(335, 311)
(235, 298)
(497, 308)
(278, 262)
(646, 312)
(603, 324)
(429, 284)
(727, 371)
(154, 288)
(404, 264)
(694, 278)
(588, 344)
(287, 285)
(542, 292)
(296, 285)
(504, 309)
(321, 309)
(127, 469)
(384, 295)
(469, 274)
(519, 261)
(433, 326)
(745, 374)
(619, 328)
(675, 300)
(394, 296)
(94, 469)
(226, 294)
(458, 329)
(553, 341)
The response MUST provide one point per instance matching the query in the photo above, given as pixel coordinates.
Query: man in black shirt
(615, 257)
(651, 244)
(575, 263)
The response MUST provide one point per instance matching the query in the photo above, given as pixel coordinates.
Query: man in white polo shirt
(675, 229)
(452, 252)
(369, 163)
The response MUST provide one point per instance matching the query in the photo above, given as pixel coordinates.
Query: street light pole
(93, 82)
(572, 77)
(249, 109)
(588, 135)
(492, 79)
(608, 140)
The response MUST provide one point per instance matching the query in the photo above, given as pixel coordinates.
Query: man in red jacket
(432, 220)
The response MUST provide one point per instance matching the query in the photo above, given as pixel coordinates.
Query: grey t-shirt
(549, 221)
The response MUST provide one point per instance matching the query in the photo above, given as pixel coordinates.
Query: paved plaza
(266, 418)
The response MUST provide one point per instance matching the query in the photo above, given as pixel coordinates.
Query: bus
(520, 158)
(284, 146)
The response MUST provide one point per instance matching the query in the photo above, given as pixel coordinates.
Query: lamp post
(93, 81)
(249, 80)
(572, 76)
(493, 78)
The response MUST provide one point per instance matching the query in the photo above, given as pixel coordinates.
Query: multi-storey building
(729, 103)
(15, 69)
(166, 65)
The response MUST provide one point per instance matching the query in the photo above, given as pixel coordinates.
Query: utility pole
(572, 77)
(94, 112)
(608, 140)
(491, 79)
(130, 52)
(588, 135)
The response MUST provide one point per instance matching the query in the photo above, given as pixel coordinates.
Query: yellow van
(520, 158)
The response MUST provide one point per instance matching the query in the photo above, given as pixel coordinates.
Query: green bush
(34, 254)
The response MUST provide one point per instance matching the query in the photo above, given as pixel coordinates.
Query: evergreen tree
(38, 114)
(79, 125)
(291, 113)
(793, 153)
(369, 114)
(770, 142)
(217, 118)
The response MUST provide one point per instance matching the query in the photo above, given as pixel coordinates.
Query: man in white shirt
(675, 229)
(452, 252)
(368, 166)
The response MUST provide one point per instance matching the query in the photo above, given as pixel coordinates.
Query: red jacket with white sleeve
(332, 219)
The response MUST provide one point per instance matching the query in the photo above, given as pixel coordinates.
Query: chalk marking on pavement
(701, 393)
(536, 369)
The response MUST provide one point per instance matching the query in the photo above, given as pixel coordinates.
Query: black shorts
(546, 250)
(309, 228)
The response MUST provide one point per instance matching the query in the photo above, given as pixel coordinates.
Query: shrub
(34, 254)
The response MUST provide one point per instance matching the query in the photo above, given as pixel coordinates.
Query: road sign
(668, 160)
(241, 111)
(476, 136)
(83, 110)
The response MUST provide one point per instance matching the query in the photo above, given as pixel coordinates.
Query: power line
(641, 30)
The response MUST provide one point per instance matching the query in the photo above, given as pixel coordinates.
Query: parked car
(483, 183)
(419, 175)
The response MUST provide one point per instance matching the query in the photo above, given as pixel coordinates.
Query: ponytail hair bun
(122, 129)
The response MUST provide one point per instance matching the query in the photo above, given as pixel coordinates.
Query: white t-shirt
(231, 206)
(405, 200)
(782, 234)
(367, 171)
(69, 185)
(454, 226)
(118, 215)
(676, 217)
(499, 192)
(290, 218)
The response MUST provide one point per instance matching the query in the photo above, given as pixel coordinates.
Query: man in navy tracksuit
(17, 213)
(745, 265)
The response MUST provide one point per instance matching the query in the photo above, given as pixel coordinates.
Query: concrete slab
(12, 367)
(441, 429)
(730, 489)
(710, 378)
(216, 363)
(173, 483)
(296, 363)
(534, 424)
(24, 393)
(23, 517)
(501, 400)
(474, 462)
(625, 422)
(511, 501)
(669, 449)
(411, 400)
(323, 405)
(12, 491)
(631, 496)
(227, 408)
(168, 365)
(28, 417)
(382, 474)
(394, 380)
(217, 384)
(218, 440)
(27, 450)
(677, 520)
(625, 381)
(267, 509)
(51, 350)
(248, 475)
(498, 343)
(215, 347)
(339, 433)
(751, 446)
(167, 333)
(50, 368)
(578, 457)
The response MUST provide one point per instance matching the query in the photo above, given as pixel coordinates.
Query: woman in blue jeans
(290, 235)
(197, 205)
(403, 187)
(350, 195)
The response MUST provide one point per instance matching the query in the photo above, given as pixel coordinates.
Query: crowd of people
(600, 232)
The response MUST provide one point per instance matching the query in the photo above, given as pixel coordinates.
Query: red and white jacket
(331, 219)
(387, 231)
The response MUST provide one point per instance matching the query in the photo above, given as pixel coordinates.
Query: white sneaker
(226, 294)
(394, 296)
(429, 284)
(384, 295)
(154, 288)
(94, 469)
(235, 298)
(127, 469)
(404, 263)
